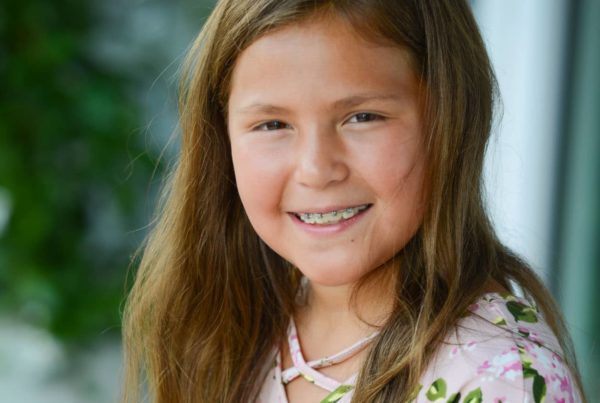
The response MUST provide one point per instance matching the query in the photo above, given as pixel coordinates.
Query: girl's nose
(320, 159)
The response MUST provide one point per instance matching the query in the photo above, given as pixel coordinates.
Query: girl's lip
(328, 229)
(329, 209)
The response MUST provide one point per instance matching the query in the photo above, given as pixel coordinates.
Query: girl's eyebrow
(348, 102)
(359, 99)
(262, 108)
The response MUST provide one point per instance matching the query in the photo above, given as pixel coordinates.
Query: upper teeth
(331, 217)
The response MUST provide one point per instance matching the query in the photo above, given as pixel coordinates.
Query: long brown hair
(211, 300)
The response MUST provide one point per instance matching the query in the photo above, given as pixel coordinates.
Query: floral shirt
(501, 352)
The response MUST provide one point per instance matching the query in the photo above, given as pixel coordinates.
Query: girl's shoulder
(501, 351)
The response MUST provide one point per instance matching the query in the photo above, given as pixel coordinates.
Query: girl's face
(327, 148)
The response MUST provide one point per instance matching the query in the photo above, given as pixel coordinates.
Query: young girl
(324, 237)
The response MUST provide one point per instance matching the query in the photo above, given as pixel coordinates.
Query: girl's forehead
(323, 39)
(334, 27)
(305, 34)
(327, 53)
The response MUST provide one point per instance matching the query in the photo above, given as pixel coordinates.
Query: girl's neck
(328, 322)
(329, 309)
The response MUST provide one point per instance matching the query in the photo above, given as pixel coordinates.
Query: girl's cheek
(387, 161)
(260, 172)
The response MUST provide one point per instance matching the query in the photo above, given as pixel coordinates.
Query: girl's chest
(274, 391)
(317, 375)
(304, 388)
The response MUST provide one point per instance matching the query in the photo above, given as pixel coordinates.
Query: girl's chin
(328, 277)
(345, 274)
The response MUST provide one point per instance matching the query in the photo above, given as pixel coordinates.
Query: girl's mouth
(331, 217)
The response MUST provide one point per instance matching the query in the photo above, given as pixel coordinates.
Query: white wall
(525, 39)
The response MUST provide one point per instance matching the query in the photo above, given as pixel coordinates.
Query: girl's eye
(364, 117)
(272, 125)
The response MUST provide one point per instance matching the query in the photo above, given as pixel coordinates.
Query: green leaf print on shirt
(437, 390)
(539, 383)
(454, 398)
(539, 388)
(308, 378)
(337, 394)
(522, 312)
(474, 396)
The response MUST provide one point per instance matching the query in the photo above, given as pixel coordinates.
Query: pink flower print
(530, 335)
(556, 357)
(506, 365)
(565, 384)
(545, 359)
(470, 346)
(523, 331)
(500, 399)
(538, 353)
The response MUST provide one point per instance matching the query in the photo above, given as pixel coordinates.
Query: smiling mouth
(331, 217)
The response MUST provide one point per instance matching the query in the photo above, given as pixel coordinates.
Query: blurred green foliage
(72, 166)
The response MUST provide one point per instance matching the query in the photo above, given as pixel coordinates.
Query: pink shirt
(502, 352)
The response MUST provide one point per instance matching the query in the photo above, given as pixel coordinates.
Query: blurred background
(88, 105)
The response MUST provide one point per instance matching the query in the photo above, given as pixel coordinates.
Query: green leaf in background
(72, 168)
